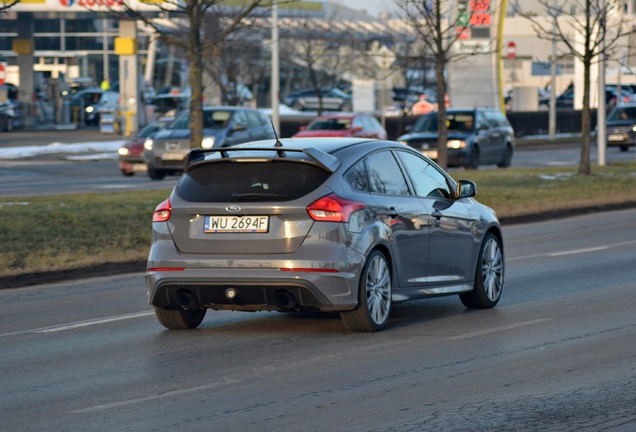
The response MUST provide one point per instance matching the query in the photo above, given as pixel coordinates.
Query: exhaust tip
(186, 299)
(285, 300)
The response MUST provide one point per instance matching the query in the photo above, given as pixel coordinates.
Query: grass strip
(52, 233)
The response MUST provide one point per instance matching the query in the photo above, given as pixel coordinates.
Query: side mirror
(466, 189)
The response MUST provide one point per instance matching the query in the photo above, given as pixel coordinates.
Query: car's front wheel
(180, 319)
(506, 159)
(374, 296)
(472, 162)
(489, 276)
(624, 148)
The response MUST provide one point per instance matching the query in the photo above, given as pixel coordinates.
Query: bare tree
(436, 24)
(6, 4)
(237, 65)
(196, 28)
(324, 49)
(600, 25)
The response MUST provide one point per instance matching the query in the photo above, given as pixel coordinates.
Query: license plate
(173, 156)
(616, 137)
(140, 167)
(430, 153)
(236, 224)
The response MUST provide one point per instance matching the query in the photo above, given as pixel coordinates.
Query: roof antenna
(277, 143)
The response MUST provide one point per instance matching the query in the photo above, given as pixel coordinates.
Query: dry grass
(73, 231)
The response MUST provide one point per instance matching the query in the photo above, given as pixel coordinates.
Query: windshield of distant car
(212, 119)
(622, 113)
(462, 122)
(330, 124)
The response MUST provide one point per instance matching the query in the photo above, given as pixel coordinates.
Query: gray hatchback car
(319, 224)
(166, 151)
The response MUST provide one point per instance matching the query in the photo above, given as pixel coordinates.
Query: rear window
(230, 181)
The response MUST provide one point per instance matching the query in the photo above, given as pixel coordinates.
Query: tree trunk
(195, 58)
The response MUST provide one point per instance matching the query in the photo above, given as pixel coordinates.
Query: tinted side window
(356, 176)
(427, 181)
(385, 176)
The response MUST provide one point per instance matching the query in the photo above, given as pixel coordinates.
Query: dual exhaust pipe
(283, 299)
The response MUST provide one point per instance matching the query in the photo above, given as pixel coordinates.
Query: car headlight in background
(148, 144)
(456, 144)
(207, 143)
(123, 151)
(89, 109)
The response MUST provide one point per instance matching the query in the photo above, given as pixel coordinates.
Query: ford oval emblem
(233, 208)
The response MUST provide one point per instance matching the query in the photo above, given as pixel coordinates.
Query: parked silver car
(320, 224)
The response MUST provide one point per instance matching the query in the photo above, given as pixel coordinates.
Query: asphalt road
(557, 354)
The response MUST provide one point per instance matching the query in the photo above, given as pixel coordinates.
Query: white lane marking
(155, 397)
(79, 324)
(498, 329)
(573, 251)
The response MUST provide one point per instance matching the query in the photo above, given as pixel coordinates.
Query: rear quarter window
(230, 181)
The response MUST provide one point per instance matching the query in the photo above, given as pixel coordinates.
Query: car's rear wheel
(297, 106)
(156, 174)
(374, 296)
(506, 159)
(179, 319)
(127, 173)
(489, 276)
(624, 148)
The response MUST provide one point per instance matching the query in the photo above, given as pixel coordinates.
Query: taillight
(162, 212)
(332, 208)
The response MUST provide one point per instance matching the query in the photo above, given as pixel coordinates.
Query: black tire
(506, 159)
(345, 107)
(489, 276)
(297, 106)
(127, 173)
(155, 174)
(624, 148)
(374, 296)
(180, 319)
(8, 127)
(473, 158)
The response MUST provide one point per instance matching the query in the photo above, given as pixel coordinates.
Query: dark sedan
(478, 136)
(344, 225)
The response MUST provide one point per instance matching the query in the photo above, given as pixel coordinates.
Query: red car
(131, 154)
(343, 125)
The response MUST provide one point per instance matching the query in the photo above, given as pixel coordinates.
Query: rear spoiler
(318, 157)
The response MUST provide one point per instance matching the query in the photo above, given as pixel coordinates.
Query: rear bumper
(252, 290)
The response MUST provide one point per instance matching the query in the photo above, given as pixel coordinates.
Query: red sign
(2, 74)
(511, 50)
